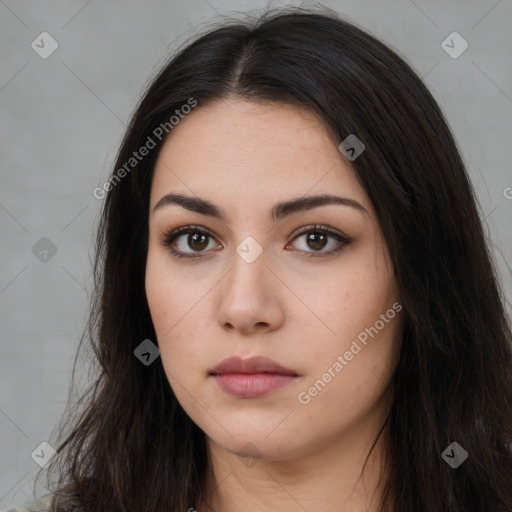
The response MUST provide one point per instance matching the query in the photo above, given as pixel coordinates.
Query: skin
(302, 312)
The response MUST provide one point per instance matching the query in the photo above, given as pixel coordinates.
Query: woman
(296, 306)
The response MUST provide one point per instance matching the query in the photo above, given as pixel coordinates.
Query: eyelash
(169, 238)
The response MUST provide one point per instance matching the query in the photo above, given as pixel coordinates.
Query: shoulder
(40, 505)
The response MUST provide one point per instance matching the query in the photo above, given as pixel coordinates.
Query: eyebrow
(278, 212)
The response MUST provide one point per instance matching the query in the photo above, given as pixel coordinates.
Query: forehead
(234, 149)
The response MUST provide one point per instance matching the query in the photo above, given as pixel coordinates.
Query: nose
(250, 298)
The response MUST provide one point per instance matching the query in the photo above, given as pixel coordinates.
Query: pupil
(317, 238)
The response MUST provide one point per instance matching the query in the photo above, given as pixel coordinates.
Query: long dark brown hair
(127, 444)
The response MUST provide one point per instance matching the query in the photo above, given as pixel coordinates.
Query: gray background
(61, 124)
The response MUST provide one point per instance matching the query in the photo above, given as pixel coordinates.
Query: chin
(256, 444)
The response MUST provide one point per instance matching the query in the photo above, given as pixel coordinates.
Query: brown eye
(316, 241)
(197, 241)
(318, 237)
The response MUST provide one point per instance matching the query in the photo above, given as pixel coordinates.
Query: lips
(251, 378)
(255, 364)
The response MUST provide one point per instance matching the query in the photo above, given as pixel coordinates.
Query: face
(307, 285)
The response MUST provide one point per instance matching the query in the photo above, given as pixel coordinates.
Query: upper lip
(255, 364)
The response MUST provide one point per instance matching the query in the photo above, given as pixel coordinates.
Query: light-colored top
(40, 505)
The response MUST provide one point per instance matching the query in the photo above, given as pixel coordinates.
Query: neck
(332, 477)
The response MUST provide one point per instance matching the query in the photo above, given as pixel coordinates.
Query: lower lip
(251, 385)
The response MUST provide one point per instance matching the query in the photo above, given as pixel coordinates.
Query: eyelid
(320, 227)
(183, 229)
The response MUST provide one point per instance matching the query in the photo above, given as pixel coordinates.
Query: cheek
(360, 325)
(349, 302)
(170, 305)
(348, 378)
(170, 296)
(181, 315)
